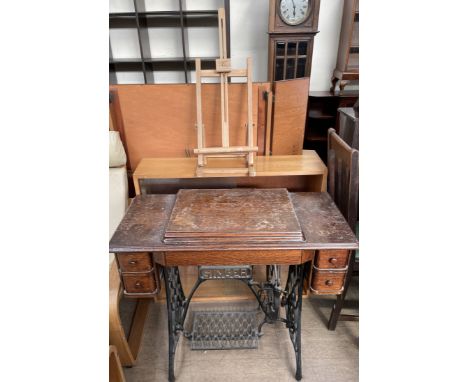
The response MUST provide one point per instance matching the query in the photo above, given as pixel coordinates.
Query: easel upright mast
(223, 71)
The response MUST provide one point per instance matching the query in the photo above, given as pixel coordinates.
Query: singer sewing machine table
(309, 234)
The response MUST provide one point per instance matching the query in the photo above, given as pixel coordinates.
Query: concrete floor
(326, 356)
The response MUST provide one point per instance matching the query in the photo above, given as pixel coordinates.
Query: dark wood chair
(348, 125)
(343, 186)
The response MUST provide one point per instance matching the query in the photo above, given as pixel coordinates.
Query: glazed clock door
(291, 57)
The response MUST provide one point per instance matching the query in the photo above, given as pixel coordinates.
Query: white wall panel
(203, 42)
(130, 78)
(326, 44)
(165, 42)
(121, 6)
(124, 43)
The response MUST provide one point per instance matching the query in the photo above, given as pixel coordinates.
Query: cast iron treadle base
(224, 330)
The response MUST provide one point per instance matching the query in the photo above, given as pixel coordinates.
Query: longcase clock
(292, 28)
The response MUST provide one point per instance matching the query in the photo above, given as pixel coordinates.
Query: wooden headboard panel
(159, 120)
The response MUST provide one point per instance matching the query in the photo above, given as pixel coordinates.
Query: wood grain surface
(233, 215)
(293, 183)
(135, 262)
(159, 120)
(233, 257)
(327, 282)
(139, 283)
(295, 172)
(279, 165)
(337, 258)
(142, 228)
(289, 116)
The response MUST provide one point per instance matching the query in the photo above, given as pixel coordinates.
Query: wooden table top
(277, 165)
(142, 229)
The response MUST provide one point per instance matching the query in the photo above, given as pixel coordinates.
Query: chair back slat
(349, 126)
(343, 177)
(331, 173)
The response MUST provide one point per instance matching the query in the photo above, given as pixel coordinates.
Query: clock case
(309, 25)
(280, 32)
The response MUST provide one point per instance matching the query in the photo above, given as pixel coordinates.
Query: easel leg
(294, 310)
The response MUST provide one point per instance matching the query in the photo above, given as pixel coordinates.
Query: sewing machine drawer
(135, 262)
(327, 282)
(139, 283)
(332, 258)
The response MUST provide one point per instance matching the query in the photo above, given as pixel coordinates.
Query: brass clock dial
(294, 12)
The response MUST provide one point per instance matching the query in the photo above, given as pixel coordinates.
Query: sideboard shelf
(147, 62)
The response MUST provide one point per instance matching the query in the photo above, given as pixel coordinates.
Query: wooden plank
(268, 124)
(232, 149)
(223, 80)
(233, 257)
(259, 138)
(199, 110)
(224, 112)
(138, 324)
(116, 332)
(250, 132)
(116, 373)
(136, 185)
(232, 73)
(293, 183)
(222, 33)
(159, 120)
(111, 122)
(280, 165)
(289, 116)
(228, 155)
(224, 171)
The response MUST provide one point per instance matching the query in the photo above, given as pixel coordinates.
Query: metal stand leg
(177, 308)
(175, 299)
(268, 296)
(293, 304)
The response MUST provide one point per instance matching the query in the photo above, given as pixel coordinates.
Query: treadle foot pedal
(224, 330)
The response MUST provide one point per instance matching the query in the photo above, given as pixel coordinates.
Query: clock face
(294, 12)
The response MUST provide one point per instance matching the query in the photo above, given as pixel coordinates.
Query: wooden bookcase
(347, 62)
(140, 21)
(322, 112)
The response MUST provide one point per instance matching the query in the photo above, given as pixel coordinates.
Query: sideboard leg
(293, 311)
(175, 300)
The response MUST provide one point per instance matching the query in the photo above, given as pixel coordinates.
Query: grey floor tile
(328, 356)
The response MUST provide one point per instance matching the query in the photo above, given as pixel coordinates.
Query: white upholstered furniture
(127, 347)
(118, 183)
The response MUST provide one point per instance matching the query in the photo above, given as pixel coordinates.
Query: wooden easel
(223, 71)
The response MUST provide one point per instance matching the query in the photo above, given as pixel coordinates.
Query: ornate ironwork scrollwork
(177, 306)
(293, 306)
(269, 295)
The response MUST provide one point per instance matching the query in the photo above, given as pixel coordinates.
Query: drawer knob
(332, 260)
(133, 262)
(329, 282)
(138, 284)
